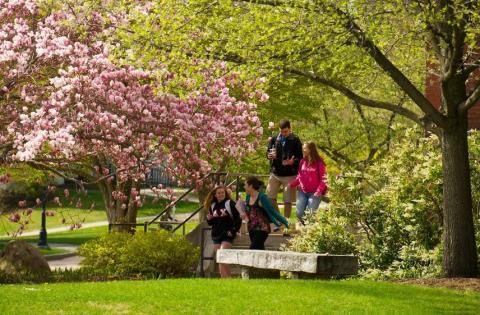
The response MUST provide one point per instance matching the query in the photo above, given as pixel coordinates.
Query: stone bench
(324, 265)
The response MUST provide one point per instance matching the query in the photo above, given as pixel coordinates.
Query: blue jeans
(304, 200)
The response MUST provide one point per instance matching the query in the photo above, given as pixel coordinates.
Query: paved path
(177, 192)
(72, 262)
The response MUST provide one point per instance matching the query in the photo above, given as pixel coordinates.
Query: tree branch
(470, 101)
(362, 41)
(43, 166)
(357, 98)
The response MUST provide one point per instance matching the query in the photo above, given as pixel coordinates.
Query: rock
(19, 256)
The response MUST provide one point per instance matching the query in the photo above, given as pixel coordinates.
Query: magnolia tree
(87, 116)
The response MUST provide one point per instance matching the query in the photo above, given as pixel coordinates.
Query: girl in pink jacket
(311, 179)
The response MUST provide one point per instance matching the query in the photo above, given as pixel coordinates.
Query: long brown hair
(211, 197)
(313, 156)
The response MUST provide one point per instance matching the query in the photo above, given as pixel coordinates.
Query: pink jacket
(311, 177)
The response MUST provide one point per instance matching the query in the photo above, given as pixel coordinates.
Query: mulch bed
(472, 284)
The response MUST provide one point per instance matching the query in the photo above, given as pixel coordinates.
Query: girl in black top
(225, 221)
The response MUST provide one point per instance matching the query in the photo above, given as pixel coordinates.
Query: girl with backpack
(311, 179)
(260, 213)
(225, 221)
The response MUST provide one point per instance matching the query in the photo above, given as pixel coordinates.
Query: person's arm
(298, 152)
(322, 187)
(210, 218)
(295, 182)
(274, 216)
(270, 145)
(237, 222)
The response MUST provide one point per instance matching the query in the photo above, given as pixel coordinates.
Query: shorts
(274, 183)
(227, 239)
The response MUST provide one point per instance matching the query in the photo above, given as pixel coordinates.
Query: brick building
(433, 94)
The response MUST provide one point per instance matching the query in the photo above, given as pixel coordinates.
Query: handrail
(172, 204)
(188, 218)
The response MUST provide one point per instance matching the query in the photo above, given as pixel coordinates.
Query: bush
(394, 210)
(159, 254)
(413, 261)
(104, 254)
(324, 234)
(24, 277)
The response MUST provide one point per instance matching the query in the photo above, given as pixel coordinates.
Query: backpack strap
(229, 208)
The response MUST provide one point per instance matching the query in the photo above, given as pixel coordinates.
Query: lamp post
(42, 242)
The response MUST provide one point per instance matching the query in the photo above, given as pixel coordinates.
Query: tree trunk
(460, 257)
(202, 193)
(120, 211)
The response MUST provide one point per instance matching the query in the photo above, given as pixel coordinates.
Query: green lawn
(216, 296)
(97, 213)
(80, 236)
(50, 251)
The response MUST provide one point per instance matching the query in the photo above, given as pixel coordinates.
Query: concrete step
(248, 247)
(273, 240)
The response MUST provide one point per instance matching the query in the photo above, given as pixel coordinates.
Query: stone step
(248, 247)
(273, 240)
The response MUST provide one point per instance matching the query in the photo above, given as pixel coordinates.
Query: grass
(43, 251)
(85, 214)
(216, 296)
(80, 236)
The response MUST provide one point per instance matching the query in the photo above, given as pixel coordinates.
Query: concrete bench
(324, 265)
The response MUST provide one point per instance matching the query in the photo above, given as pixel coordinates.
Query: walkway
(69, 260)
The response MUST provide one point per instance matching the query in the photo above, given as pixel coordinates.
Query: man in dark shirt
(284, 152)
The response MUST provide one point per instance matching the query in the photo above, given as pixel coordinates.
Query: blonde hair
(211, 197)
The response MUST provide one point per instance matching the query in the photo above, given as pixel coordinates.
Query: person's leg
(287, 210)
(272, 190)
(258, 239)
(225, 269)
(301, 205)
(288, 195)
(216, 246)
(261, 238)
(314, 202)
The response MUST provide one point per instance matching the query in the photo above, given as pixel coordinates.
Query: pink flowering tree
(110, 124)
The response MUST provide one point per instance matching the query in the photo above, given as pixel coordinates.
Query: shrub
(324, 234)
(160, 254)
(104, 254)
(24, 277)
(413, 261)
(394, 210)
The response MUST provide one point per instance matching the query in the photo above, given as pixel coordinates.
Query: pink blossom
(15, 217)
